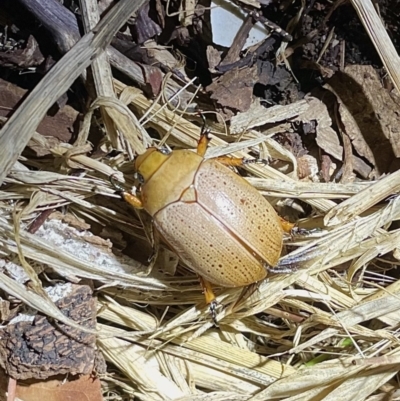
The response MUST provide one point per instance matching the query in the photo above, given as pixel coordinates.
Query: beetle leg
(203, 142)
(293, 230)
(213, 311)
(151, 262)
(210, 298)
(286, 225)
(252, 161)
(153, 238)
(155, 247)
(237, 162)
(281, 269)
(133, 200)
(207, 290)
(152, 258)
(204, 138)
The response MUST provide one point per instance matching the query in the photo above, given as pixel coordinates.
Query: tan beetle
(216, 222)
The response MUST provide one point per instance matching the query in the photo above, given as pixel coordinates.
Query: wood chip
(258, 115)
(234, 90)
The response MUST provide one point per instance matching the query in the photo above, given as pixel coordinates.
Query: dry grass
(328, 331)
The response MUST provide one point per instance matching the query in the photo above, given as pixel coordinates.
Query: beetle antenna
(281, 269)
(252, 161)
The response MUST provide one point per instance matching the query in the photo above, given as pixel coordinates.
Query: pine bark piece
(59, 125)
(39, 348)
(145, 28)
(21, 58)
(234, 90)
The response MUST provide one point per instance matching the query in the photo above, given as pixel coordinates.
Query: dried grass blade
(16, 133)
(365, 199)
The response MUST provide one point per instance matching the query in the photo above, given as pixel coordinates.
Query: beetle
(218, 224)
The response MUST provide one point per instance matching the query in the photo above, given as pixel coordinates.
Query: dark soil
(17, 25)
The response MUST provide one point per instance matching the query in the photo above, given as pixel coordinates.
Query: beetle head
(149, 162)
